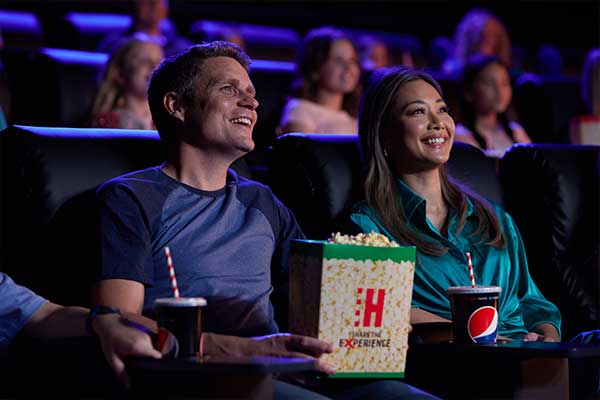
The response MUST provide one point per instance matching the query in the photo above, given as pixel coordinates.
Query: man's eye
(229, 89)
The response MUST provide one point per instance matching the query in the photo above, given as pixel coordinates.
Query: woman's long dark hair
(381, 187)
(473, 66)
(312, 55)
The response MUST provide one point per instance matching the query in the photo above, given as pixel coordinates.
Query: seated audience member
(487, 95)
(23, 310)
(479, 31)
(549, 62)
(374, 53)
(227, 234)
(585, 129)
(406, 135)
(150, 18)
(328, 86)
(121, 101)
(440, 48)
(227, 35)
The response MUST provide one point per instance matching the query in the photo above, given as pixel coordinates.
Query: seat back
(320, 176)
(52, 87)
(48, 178)
(553, 194)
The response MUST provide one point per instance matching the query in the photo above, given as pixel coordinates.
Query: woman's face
(138, 67)
(489, 41)
(491, 91)
(341, 71)
(418, 132)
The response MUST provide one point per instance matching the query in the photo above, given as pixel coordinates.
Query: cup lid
(180, 302)
(475, 290)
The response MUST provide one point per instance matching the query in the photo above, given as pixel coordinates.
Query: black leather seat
(553, 193)
(319, 176)
(48, 182)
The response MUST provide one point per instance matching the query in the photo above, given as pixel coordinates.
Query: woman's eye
(417, 111)
(445, 109)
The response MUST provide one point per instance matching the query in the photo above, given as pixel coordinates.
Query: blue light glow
(76, 57)
(90, 133)
(99, 23)
(19, 21)
(272, 66)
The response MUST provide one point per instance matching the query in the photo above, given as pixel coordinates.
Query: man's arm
(52, 321)
(125, 294)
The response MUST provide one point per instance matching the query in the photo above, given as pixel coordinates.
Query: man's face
(222, 114)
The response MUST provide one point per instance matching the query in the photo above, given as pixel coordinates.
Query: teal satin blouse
(521, 306)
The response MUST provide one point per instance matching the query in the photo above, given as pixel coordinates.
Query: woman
(121, 101)
(479, 31)
(328, 93)
(406, 134)
(487, 95)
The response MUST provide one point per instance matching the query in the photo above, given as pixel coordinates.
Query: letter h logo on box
(371, 308)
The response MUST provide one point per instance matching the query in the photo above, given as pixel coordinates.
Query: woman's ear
(174, 106)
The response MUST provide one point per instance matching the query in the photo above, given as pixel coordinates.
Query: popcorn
(356, 297)
(362, 239)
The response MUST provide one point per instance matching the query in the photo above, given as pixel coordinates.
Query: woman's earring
(385, 153)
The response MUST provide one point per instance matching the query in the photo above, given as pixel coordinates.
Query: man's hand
(119, 341)
(276, 345)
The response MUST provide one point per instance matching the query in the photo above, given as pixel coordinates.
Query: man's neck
(197, 169)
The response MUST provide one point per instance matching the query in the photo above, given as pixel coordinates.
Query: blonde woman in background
(121, 101)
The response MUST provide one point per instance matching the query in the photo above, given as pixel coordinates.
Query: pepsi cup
(179, 325)
(474, 313)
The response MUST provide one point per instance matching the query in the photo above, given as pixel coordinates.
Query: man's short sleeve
(125, 243)
(17, 306)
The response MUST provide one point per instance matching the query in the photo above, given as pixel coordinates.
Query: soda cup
(474, 313)
(179, 325)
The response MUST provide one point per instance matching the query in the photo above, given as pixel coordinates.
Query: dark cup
(179, 325)
(474, 313)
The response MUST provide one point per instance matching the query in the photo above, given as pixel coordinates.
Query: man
(151, 22)
(23, 310)
(224, 231)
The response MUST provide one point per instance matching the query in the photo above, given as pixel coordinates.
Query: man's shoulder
(133, 180)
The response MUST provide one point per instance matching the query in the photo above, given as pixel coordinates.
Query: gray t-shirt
(225, 244)
(17, 306)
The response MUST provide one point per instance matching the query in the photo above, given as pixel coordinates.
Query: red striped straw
(471, 276)
(172, 273)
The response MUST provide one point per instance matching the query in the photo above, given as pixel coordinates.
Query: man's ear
(174, 106)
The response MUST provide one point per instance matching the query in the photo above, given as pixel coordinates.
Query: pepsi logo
(167, 344)
(483, 324)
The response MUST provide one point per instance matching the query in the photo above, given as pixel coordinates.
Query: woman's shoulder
(519, 133)
(464, 135)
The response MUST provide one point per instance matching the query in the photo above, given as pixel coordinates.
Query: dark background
(572, 26)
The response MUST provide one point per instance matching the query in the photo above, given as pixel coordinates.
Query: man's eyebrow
(215, 81)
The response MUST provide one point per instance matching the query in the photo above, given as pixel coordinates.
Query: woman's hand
(542, 333)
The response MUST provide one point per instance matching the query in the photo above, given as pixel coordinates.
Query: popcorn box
(356, 298)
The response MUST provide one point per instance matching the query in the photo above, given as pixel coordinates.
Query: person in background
(585, 129)
(374, 53)
(228, 235)
(121, 101)
(23, 310)
(327, 88)
(487, 95)
(479, 31)
(406, 134)
(549, 61)
(150, 18)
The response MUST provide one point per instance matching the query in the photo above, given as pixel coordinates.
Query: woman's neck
(137, 106)
(486, 122)
(428, 185)
(331, 100)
